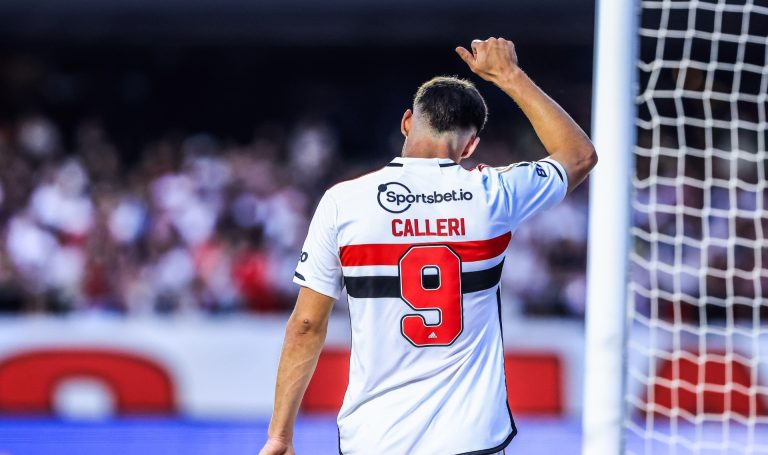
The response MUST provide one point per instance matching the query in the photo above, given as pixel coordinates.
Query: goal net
(697, 340)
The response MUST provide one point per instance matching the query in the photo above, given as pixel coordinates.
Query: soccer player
(419, 245)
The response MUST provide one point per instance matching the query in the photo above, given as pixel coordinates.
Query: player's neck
(429, 148)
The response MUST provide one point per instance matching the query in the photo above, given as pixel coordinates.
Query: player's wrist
(280, 436)
(510, 80)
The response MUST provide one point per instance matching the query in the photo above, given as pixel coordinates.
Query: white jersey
(419, 246)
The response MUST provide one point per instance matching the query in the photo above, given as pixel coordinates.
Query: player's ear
(405, 123)
(470, 148)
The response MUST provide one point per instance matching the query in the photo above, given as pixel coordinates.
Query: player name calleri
(441, 227)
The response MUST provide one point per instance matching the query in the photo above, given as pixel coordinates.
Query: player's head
(448, 110)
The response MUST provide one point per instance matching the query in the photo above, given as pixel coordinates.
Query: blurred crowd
(196, 225)
(699, 223)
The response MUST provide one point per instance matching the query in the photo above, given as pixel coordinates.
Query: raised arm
(304, 338)
(495, 61)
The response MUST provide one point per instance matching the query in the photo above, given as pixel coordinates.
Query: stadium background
(160, 162)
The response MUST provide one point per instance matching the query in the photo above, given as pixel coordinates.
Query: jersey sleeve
(319, 266)
(533, 187)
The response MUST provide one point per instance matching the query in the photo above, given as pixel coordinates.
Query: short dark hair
(451, 103)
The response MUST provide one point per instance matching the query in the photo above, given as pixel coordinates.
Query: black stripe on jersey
(556, 169)
(299, 276)
(394, 165)
(482, 279)
(371, 287)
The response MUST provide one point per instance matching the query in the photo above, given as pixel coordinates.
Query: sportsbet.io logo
(394, 197)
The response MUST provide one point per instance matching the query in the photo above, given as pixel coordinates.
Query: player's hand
(277, 447)
(491, 59)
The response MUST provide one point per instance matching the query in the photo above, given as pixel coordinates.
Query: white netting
(698, 333)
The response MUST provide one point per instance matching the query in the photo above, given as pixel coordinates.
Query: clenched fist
(491, 59)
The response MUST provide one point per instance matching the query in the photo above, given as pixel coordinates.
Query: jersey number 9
(430, 279)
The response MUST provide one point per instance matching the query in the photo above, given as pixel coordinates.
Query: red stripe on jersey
(390, 253)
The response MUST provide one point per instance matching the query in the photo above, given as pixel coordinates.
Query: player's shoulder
(489, 169)
(492, 175)
(541, 168)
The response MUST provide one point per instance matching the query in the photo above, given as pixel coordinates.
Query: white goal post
(613, 134)
(677, 299)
